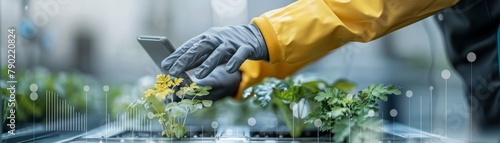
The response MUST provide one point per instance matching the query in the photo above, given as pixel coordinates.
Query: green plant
(172, 117)
(348, 116)
(279, 94)
(351, 117)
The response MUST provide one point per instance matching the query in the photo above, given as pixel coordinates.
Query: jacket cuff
(273, 47)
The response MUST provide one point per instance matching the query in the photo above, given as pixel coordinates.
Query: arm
(306, 30)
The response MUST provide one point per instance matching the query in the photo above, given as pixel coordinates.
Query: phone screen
(158, 48)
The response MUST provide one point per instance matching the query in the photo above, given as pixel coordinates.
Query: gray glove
(223, 84)
(218, 45)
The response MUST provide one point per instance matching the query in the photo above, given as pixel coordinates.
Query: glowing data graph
(60, 116)
(134, 120)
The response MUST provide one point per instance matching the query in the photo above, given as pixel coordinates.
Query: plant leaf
(341, 130)
(178, 111)
(322, 96)
(383, 97)
(337, 111)
(206, 88)
(179, 130)
(202, 93)
(186, 101)
(190, 92)
(344, 85)
(207, 103)
(164, 133)
(157, 104)
(196, 107)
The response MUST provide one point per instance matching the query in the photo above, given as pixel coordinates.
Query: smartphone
(158, 48)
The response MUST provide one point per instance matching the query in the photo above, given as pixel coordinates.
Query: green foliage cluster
(279, 94)
(348, 116)
(351, 116)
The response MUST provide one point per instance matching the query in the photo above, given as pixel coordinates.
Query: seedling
(172, 116)
(351, 117)
(279, 94)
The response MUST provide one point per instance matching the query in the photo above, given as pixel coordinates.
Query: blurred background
(95, 42)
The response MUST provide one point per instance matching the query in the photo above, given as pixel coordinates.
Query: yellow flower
(163, 94)
(169, 91)
(170, 84)
(160, 95)
(166, 91)
(167, 78)
(160, 87)
(177, 81)
(148, 93)
(162, 78)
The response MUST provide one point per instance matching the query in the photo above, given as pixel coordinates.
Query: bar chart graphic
(60, 116)
(134, 120)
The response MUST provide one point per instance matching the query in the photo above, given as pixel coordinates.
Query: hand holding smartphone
(158, 48)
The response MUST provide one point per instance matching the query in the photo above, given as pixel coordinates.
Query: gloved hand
(223, 84)
(218, 45)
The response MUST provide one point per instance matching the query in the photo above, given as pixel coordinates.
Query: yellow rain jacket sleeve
(306, 30)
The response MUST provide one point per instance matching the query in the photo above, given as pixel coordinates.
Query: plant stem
(183, 95)
(155, 109)
(286, 112)
(171, 99)
(185, 117)
(163, 125)
(171, 127)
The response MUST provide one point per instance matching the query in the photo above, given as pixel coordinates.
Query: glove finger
(197, 62)
(195, 53)
(238, 58)
(218, 57)
(167, 63)
(223, 84)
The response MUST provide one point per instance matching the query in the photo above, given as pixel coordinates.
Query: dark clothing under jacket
(471, 26)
